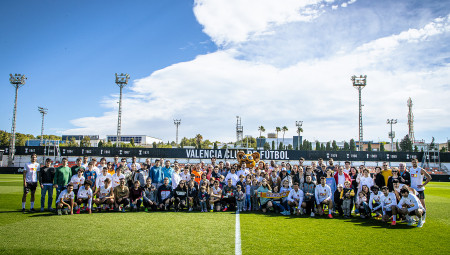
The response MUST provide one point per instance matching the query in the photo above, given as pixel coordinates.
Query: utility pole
(121, 81)
(299, 129)
(359, 83)
(391, 134)
(43, 111)
(17, 80)
(239, 130)
(177, 123)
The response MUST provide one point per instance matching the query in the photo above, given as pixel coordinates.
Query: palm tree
(277, 129)
(284, 131)
(261, 129)
(299, 130)
(199, 139)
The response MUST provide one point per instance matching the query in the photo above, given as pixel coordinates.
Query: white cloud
(209, 91)
(234, 21)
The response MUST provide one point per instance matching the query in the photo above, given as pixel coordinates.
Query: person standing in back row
(46, 176)
(30, 181)
(417, 173)
(62, 177)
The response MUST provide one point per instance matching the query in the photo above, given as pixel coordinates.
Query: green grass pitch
(214, 233)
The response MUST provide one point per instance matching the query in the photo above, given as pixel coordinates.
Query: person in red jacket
(341, 176)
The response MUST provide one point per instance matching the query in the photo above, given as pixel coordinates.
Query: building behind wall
(141, 140)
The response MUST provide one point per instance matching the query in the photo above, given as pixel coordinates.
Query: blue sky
(271, 62)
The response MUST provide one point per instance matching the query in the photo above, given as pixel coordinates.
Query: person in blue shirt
(90, 174)
(155, 174)
(167, 172)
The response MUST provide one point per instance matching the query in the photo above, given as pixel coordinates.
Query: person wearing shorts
(410, 205)
(30, 182)
(388, 205)
(105, 195)
(84, 196)
(417, 173)
(66, 200)
(121, 194)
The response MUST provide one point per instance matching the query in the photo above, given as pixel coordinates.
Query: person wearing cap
(46, 175)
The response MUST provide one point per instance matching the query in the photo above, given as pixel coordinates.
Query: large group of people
(318, 189)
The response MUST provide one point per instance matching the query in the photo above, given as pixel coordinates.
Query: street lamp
(121, 81)
(359, 83)
(177, 123)
(299, 129)
(17, 80)
(43, 111)
(391, 134)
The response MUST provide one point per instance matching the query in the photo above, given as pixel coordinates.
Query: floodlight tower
(299, 129)
(17, 80)
(359, 83)
(177, 123)
(121, 81)
(239, 130)
(410, 121)
(43, 111)
(392, 134)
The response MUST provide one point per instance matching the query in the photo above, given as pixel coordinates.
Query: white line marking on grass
(237, 243)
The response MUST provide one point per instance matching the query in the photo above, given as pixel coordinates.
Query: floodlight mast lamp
(359, 83)
(391, 134)
(177, 123)
(299, 128)
(17, 80)
(43, 111)
(121, 81)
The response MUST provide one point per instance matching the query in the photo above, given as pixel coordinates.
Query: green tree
(277, 129)
(406, 144)
(328, 148)
(334, 146)
(198, 139)
(382, 146)
(273, 145)
(397, 148)
(132, 142)
(154, 145)
(266, 146)
(346, 146)
(352, 145)
(72, 142)
(100, 143)
(369, 146)
(289, 147)
(318, 146)
(261, 129)
(284, 129)
(4, 138)
(416, 149)
(85, 142)
(280, 146)
(215, 146)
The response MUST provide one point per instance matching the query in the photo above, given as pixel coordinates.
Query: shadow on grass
(355, 220)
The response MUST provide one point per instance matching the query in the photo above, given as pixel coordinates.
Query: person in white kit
(100, 181)
(388, 205)
(77, 181)
(410, 205)
(30, 179)
(84, 196)
(417, 174)
(105, 195)
(117, 177)
(295, 199)
(66, 199)
(323, 197)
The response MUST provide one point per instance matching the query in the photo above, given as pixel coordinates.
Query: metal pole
(17, 81)
(119, 121)
(176, 123)
(360, 120)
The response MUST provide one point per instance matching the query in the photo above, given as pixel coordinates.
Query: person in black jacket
(405, 176)
(378, 178)
(46, 175)
(192, 194)
(165, 195)
(338, 200)
(180, 196)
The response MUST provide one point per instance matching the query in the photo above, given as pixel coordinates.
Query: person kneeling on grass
(215, 196)
(361, 205)
(84, 196)
(388, 205)
(149, 195)
(105, 195)
(266, 203)
(347, 195)
(410, 205)
(165, 195)
(135, 196)
(180, 196)
(375, 200)
(228, 198)
(323, 197)
(295, 200)
(121, 193)
(65, 199)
